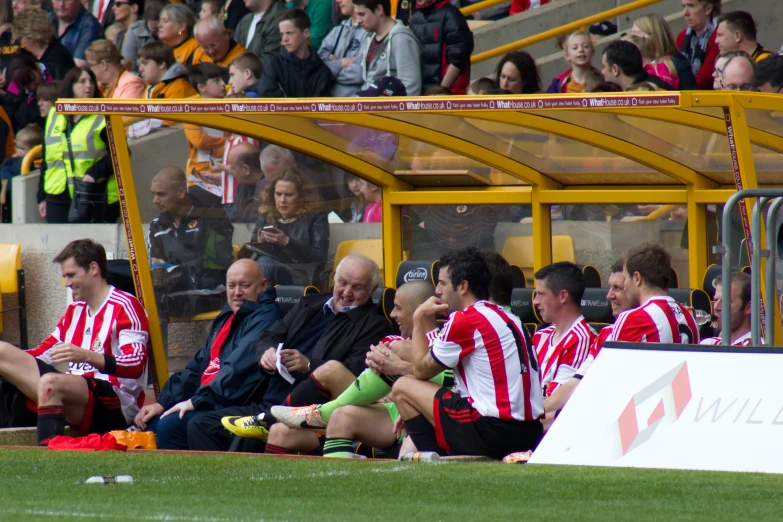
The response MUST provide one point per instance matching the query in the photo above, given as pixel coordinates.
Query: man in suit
(339, 326)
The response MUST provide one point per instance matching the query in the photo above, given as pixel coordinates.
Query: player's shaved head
(171, 175)
(416, 292)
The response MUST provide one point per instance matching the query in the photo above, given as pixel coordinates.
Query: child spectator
(578, 51)
(481, 87)
(27, 138)
(19, 102)
(205, 144)
(448, 43)
(659, 37)
(47, 94)
(210, 8)
(391, 48)
(244, 74)
(113, 32)
(340, 50)
(663, 69)
(297, 72)
(373, 212)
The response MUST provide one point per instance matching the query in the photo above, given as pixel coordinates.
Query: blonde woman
(665, 59)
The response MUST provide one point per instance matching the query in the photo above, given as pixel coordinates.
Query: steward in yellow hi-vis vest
(75, 147)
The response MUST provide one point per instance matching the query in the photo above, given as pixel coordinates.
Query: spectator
(340, 50)
(518, 74)
(8, 44)
(481, 87)
(215, 43)
(769, 75)
(643, 87)
(189, 245)
(564, 345)
(105, 61)
(47, 93)
(245, 164)
(75, 28)
(391, 49)
(437, 90)
(467, 420)
(656, 31)
(607, 87)
(27, 138)
(126, 13)
(662, 70)
(579, 52)
(167, 78)
(19, 101)
(175, 29)
(205, 144)
(210, 9)
(276, 159)
(104, 384)
(622, 64)
(113, 32)
(140, 33)
(224, 372)
(34, 31)
(297, 71)
(655, 317)
(320, 14)
(697, 42)
(55, 189)
(739, 306)
(519, 6)
(232, 12)
(384, 86)
(717, 74)
(258, 30)
(373, 209)
(228, 183)
(738, 72)
(290, 234)
(102, 10)
(21, 5)
(358, 203)
(447, 44)
(490, 14)
(736, 31)
(339, 326)
(244, 74)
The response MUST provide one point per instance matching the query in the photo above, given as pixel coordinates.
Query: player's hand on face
(431, 307)
(268, 360)
(182, 408)
(146, 414)
(294, 360)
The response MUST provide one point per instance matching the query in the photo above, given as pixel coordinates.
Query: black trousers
(57, 212)
(206, 433)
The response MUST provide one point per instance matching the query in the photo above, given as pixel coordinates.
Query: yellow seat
(204, 316)
(518, 250)
(10, 264)
(372, 248)
(235, 251)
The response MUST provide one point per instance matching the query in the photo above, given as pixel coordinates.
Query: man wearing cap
(384, 86)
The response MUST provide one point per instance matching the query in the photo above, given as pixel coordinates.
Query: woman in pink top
(373, 212)
(105, 61)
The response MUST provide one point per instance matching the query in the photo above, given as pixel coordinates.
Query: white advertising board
(650, 408)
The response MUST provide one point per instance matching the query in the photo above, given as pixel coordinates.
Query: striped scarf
(695, 47)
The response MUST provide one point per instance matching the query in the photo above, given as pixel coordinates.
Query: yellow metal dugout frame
(667, 148)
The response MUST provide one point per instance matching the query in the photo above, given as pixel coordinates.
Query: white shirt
(252, 32)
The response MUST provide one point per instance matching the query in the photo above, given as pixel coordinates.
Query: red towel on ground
(91, 442)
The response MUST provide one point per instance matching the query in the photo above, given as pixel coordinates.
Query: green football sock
(338, 448)
(366, 389)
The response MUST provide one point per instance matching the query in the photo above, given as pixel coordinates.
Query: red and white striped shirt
(660, 320)
(743, 340)
(560, 361)
(229, 182)
(595, 347)
(120, 330)
(494, 368)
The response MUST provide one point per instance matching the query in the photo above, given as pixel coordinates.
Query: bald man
(224, 372)
(189, 243)
(215, 43)
(245, 163)
(738, 72)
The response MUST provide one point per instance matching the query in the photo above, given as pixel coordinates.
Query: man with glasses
(75, 28)
(215, 43)
(737, 72)
(769, 75)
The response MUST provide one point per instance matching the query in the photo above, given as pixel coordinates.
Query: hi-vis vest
(62, 165)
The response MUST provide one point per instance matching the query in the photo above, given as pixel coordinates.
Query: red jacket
(704, 78)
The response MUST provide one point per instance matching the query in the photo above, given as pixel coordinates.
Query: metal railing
(32, 155)
(765, 196)
(486, 4)
(558, 31)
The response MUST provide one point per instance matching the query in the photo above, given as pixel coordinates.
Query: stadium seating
(592, 276)
(522, 306)
(372, 248)
(416, 270)
(596, 308)
(518, 277)
(674, 279)
(695, 298)
(383, 298)
(12, 282)
(710, 274)
(518, 250)
(289, 295)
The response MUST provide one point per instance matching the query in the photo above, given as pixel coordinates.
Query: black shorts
(462, 430)
(103, 411)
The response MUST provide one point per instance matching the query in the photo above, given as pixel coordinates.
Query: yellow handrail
(32, 155)
(485, 4)
(559, 31)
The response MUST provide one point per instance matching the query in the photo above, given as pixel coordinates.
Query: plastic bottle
(421, 456)
(110, 479)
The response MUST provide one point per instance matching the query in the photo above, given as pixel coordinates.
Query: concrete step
(22, 436)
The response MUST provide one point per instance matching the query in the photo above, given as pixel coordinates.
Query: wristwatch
(308, 366)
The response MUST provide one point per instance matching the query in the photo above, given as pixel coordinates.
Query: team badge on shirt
(193, 224)
(96, 345)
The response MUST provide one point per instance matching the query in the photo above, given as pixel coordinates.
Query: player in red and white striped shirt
(564, 345)
(657, 317)
(740, 309)
(103, 340)
(496, 405)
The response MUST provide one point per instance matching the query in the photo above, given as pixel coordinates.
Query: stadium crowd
(333, 371)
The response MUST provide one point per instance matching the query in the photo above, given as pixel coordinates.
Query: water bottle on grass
(421, 456)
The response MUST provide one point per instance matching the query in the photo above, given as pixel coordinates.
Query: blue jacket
(239, 371)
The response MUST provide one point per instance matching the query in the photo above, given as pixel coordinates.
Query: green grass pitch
(44, 485)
